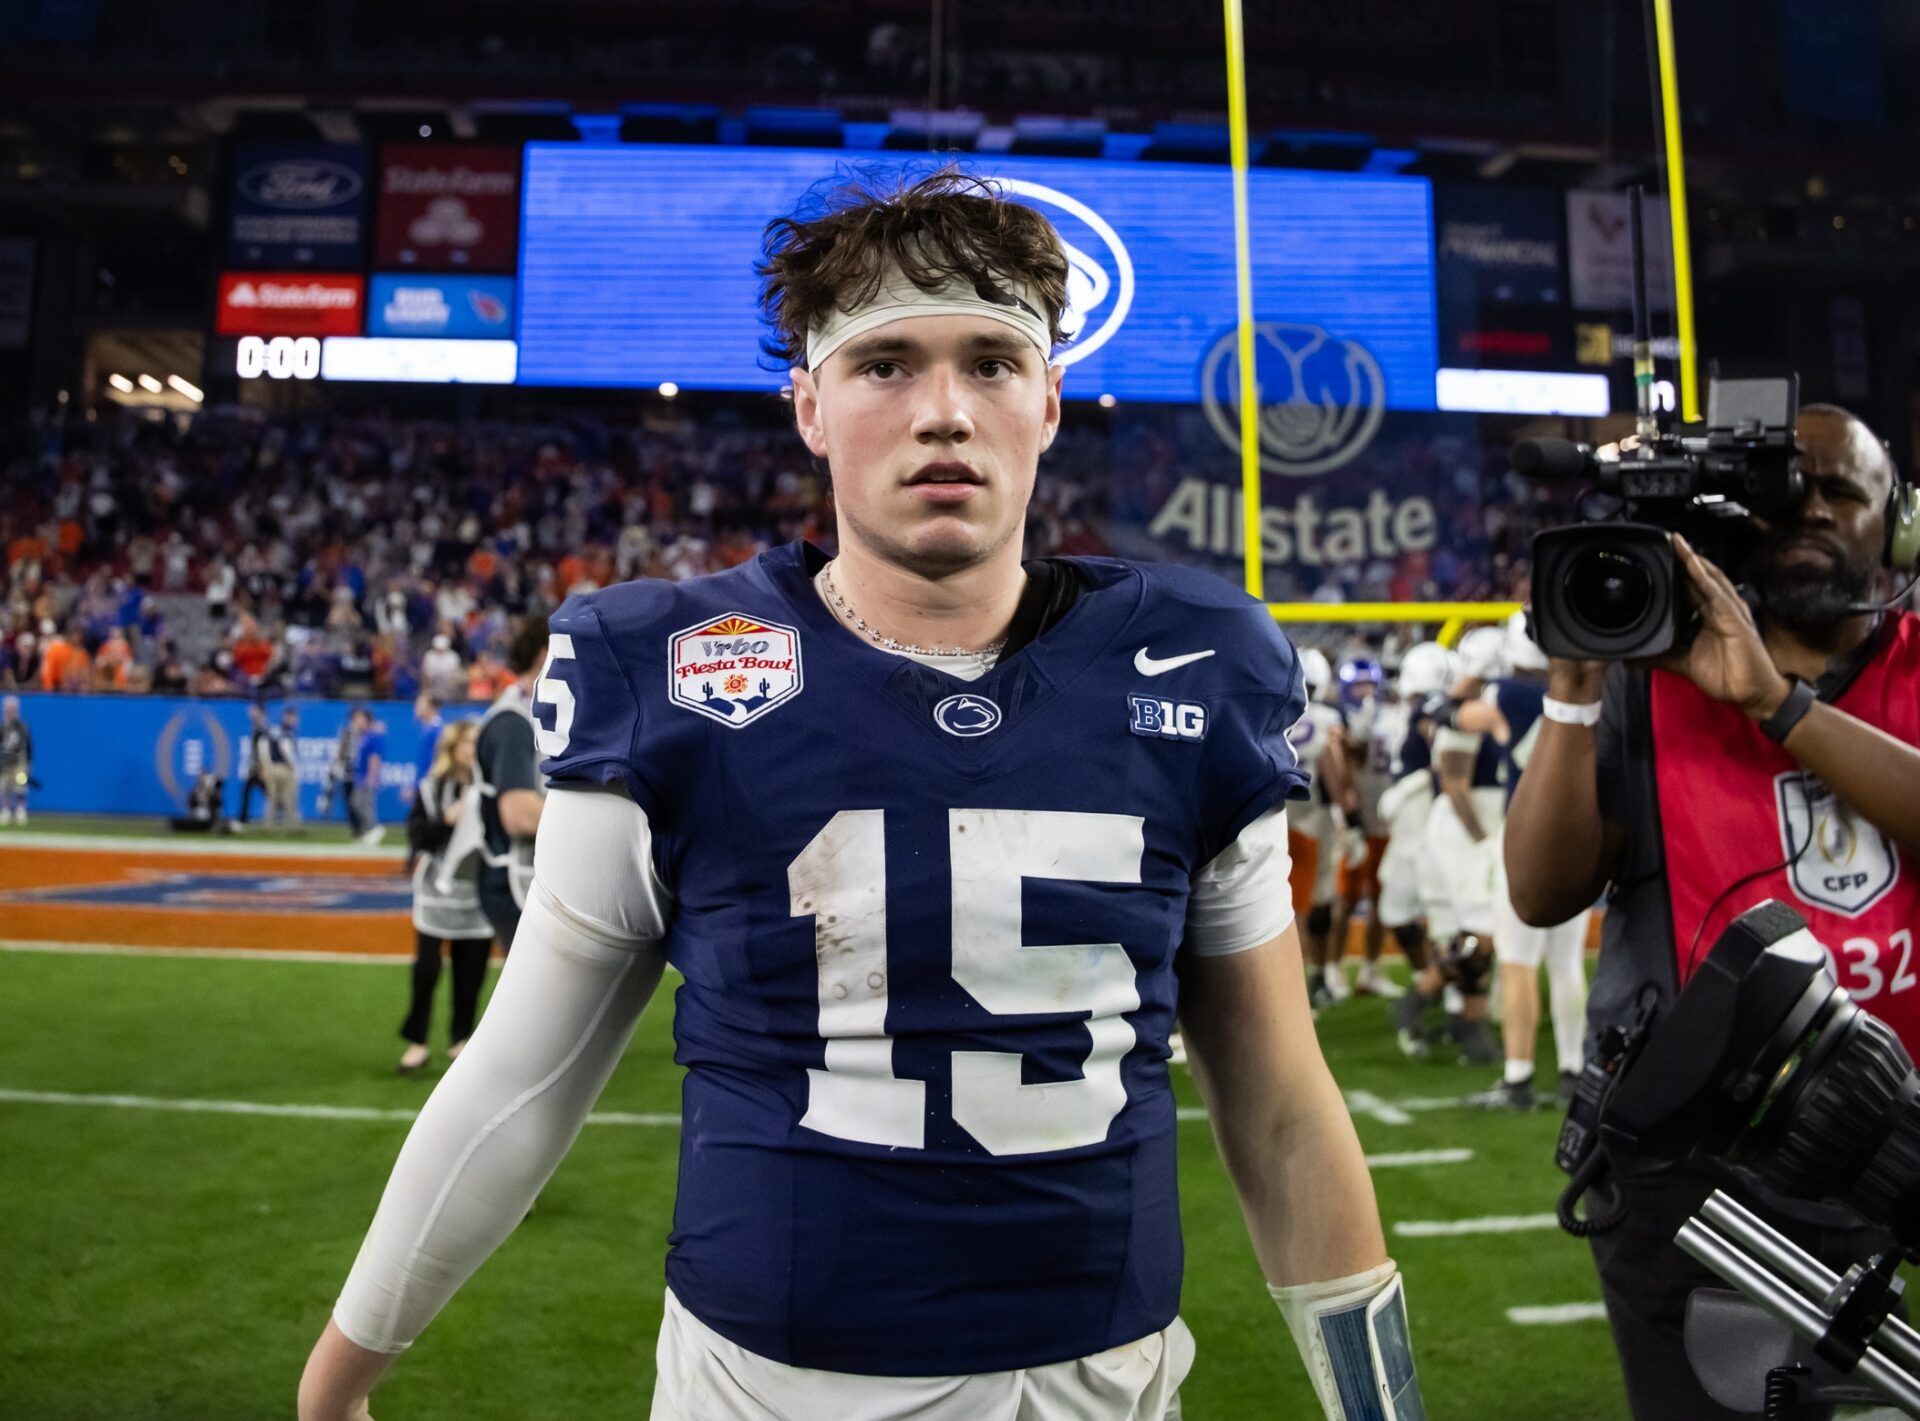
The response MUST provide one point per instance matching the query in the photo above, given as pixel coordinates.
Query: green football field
(165, 1260)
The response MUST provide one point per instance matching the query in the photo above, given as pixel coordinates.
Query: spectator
(283, 776)
(205, 811)
(220, 584)
(20, 663)
(441, 672)
(446, 904)
(426, 713)
(63, 663)
(253, 652)
(112, 661)
(169, 673)
(16, 762)
(370, 748)
(512, 789)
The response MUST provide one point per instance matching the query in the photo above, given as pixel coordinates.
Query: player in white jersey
(1426, 671)
(1509, 713)
(1319, 739)
(1367, 701)
(1462, 837)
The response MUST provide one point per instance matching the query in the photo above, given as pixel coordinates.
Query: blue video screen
(636, 268)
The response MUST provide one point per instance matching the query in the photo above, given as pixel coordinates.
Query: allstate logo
(1321, 398)
(967, 715)
(1099, 282)
(300, 183)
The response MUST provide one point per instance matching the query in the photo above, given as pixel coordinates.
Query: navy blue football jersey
(1415, 751)
(928, 931)
(1519, 699)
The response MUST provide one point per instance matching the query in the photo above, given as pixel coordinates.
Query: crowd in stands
(357, 555)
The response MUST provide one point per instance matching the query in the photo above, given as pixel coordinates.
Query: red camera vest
(1732, 803)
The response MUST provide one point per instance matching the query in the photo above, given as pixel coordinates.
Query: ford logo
(1099, 271)
(300, 183)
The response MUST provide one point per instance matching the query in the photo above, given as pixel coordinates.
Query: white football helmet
(1523, 652)
(1483, 653)
(1316, 671)
(1426, 670)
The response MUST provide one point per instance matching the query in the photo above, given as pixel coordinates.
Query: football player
(1426, 672)
(1462, 844)
(1509, 715)
(926, 831)
(1370, 718)
(1328, 822)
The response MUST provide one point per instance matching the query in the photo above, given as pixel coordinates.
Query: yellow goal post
(1454, 617)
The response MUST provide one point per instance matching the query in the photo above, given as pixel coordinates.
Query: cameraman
(1673, 789)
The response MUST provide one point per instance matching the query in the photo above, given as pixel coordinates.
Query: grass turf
(166, 1265)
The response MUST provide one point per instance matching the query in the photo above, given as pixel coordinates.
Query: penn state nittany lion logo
(1840, 861)
(733, 669)
(1321, 398)
(966, 715)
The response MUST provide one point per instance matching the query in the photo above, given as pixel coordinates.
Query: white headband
(898, 297)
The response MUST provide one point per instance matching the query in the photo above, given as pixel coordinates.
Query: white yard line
(237, 844)
(243, 954)
(300, 1112)
(1557, 1315)
(1365, 1102)
(355, 1112)
(1411, 1159)
(1422, 1103)
(1493, 1224)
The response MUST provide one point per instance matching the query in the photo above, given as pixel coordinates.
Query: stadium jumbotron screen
(636, 265)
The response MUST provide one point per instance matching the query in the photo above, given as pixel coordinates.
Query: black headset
(1903, 523)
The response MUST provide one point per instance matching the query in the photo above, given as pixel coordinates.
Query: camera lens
(1609, 591)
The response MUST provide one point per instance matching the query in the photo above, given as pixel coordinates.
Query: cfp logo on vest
(1840, 861)
(1166, 720)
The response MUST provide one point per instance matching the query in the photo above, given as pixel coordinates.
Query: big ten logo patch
(1166, 720)
(734, 669)
(1840, 862)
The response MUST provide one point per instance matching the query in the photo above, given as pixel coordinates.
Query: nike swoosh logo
(1148, 666)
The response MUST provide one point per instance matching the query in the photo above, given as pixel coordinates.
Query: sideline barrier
(109, 754)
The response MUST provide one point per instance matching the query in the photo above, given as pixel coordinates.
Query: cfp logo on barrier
(1166, 720)
(1321, 398)
(1099, 273)
(192, 741)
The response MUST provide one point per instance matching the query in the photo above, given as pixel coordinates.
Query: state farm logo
(400, 180)
(300, 184)
(446, 222)
(1099, 271)
(1321, 398)
(292, 296)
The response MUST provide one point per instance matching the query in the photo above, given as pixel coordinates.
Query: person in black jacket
(446, 900)
(16, 762)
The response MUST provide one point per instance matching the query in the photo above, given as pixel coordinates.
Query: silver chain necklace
(880, 638)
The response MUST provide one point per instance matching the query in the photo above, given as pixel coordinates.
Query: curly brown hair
(838, 247)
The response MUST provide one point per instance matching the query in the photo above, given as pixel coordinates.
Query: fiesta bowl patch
(733, 669)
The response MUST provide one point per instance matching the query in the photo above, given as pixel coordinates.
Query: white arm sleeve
(1244, 897)
(585, 961)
